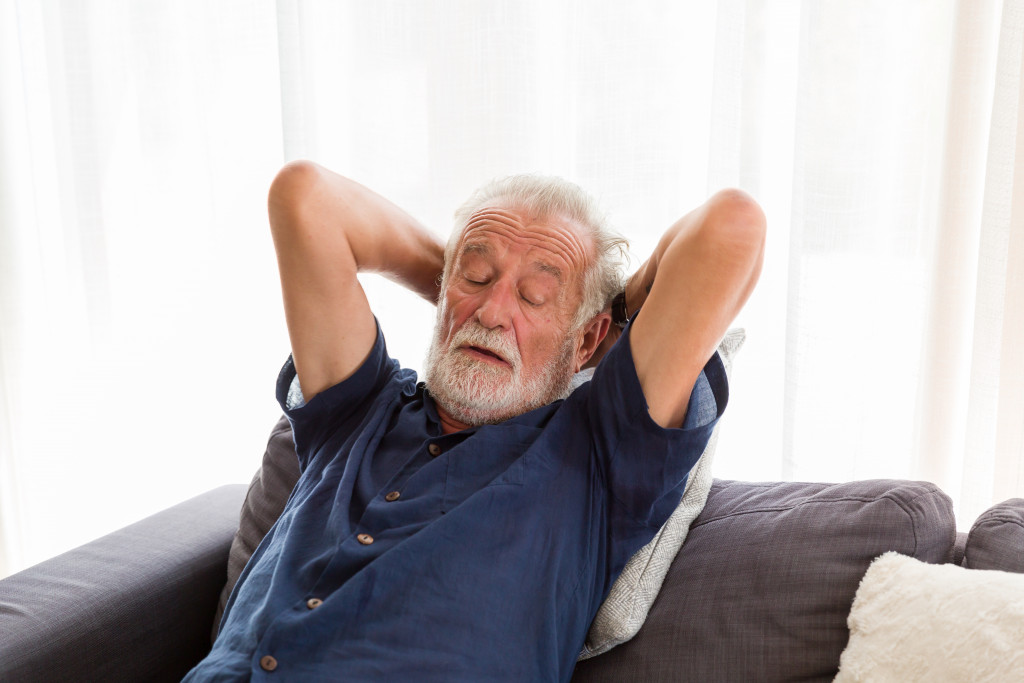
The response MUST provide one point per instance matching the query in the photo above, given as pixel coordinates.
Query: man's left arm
(688, 292)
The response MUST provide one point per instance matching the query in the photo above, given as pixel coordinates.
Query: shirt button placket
(434, 450)
(268, 663)
(392, 497)
(313, 603)
(365, 539)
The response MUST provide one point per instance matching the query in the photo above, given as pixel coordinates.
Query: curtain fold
(140, 318)
(994, 449)
(137, 145)
(873, 79)
(942, 396)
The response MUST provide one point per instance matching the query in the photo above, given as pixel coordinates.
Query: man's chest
(419, 477)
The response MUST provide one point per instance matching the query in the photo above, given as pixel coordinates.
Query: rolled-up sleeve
(642, 461)
(315, 420)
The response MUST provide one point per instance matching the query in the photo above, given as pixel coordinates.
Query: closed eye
(529, 301)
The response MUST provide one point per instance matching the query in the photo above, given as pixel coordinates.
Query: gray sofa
(759, 591)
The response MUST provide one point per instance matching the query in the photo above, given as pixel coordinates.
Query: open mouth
(486, 354)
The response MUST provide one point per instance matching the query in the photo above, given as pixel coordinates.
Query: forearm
(388, 241)
(313, 208)
(636, 290)
(702, 248)
(639, 284)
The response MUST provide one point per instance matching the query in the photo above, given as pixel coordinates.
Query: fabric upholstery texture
(134, 605)
(913, 621)
(996, 540)
(763, 585)
(959, 547)
(629, 600)
(625, 608)
(268, 492)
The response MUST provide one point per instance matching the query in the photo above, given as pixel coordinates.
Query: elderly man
(467, 528)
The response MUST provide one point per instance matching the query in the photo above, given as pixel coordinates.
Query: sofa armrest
(136, 604)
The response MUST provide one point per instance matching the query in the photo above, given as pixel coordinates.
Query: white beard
(476, 392)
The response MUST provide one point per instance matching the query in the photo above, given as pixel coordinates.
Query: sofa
(761, 589)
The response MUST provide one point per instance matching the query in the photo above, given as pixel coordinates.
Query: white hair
(548, 196)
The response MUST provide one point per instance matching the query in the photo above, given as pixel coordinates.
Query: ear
(593, 334)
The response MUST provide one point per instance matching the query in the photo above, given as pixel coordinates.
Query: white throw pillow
(624, 610)
(913, 621)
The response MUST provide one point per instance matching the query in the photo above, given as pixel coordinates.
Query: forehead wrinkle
(485, 249)
(566, 254)
(505, 223)
(498, 211)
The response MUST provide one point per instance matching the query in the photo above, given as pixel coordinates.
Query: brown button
(434, 449)
(313, 603)
(393, 496)
(365, 539)
(268, 663)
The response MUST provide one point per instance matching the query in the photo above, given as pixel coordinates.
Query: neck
(449, 425)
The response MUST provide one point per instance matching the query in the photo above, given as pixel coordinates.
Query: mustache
(475, 334)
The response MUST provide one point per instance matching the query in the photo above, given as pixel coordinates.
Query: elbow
(292, 191)
(733, 215)
(735, 224)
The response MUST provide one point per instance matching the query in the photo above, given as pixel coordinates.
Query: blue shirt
(407, 554)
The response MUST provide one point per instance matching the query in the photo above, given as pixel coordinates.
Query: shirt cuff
(702, 408)
(709, 395)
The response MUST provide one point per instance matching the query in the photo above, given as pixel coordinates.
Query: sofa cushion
(763, 584)
(996, 540)
(264, 502)
(913, 621)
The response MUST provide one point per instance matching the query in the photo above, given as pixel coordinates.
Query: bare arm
(691, 288)
(327, 228)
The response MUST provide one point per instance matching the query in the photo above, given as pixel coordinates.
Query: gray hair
(549, 196)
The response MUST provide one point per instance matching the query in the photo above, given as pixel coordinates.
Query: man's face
(502, 343)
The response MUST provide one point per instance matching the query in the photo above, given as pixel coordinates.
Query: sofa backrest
(996, 540)
(764, 582)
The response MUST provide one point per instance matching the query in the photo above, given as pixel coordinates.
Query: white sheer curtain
(140, 316)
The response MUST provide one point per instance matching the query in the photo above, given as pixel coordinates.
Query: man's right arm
(326, 229)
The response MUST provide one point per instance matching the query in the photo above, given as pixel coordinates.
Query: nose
(496, 309)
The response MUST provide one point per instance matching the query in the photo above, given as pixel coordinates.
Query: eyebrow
(477, 248)
(551, 270)
(485, 249)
